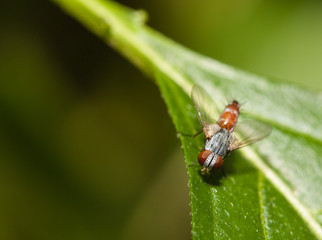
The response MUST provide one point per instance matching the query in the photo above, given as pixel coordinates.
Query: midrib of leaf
(122, 35)
(120, 32)
(280, 185)
(287, 129)
(260, 193)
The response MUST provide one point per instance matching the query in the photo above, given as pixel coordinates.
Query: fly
(219, 131)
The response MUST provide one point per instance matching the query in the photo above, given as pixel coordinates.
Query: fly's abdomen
(228, 118)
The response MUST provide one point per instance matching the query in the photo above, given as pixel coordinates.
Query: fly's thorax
(219, 143)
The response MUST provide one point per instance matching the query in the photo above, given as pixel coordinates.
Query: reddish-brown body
(228, 118)
(219, 133)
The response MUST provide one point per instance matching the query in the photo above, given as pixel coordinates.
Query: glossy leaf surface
(273, 188)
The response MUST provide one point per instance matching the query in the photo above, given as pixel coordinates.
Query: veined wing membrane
(250, 131)
(207, 110)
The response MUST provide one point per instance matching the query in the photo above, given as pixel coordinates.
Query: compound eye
(218, 163)
(203, 155)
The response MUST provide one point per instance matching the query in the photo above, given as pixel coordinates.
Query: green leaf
(272, 189)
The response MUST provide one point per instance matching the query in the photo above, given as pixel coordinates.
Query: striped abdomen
(228, 118)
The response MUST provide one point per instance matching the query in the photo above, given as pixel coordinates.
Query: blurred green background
(87, 148)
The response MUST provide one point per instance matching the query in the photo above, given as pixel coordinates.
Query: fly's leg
(223, 172)
(189, 135)
(192, 164)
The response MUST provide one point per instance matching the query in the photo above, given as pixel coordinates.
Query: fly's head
(209, 161)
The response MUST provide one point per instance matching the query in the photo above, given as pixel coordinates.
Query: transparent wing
(208, 112)
(250, 132)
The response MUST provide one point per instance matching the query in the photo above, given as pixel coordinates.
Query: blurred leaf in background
(67, 102)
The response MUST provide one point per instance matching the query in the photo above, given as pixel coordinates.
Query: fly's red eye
(203, 155)
(218, 163)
